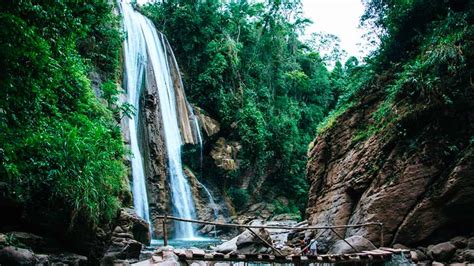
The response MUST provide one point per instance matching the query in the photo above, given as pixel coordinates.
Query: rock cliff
(416, 175)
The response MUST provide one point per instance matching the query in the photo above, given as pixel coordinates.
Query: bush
(239, 197)
(62, 149)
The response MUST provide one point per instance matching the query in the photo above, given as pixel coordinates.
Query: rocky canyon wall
(416, 175)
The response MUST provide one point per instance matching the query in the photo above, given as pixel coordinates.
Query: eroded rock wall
(416, 176)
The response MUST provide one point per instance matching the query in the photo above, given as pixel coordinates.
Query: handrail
(247, 226)
(268, 226)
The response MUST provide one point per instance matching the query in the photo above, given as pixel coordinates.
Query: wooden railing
(165, 218)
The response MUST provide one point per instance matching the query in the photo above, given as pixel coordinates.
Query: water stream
(135, 63)
(145, 45)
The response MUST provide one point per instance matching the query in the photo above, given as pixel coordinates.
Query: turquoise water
(198, 242)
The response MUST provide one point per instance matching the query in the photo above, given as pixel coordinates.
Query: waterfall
(209, 195)
(212, 202)
(135, 63)
(146, 46)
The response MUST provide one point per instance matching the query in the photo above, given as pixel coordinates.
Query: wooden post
(381, 235)
(165, 234)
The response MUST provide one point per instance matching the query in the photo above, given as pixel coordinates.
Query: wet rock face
(414, 176)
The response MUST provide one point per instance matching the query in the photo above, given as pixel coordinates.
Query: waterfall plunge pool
(195, 242)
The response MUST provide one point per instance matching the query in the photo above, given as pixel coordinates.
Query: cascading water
(144, 41)
(135, 62)
(215, 210)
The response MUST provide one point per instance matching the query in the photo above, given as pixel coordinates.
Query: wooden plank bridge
(373, 256)
(187, 256)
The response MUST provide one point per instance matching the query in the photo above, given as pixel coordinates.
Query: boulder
(470, 243)
(127, 238)
(67, 259)
(3, 240)
(459, 241)
(16, 256)
(130, 222)
(35, 242)
(468, 255)
(224, 154)
(249, 243)
(442, 251)
(210, 125)
(286, 217)
(400, 246)
(246, 242)
(358, 242)
(421, 255)
(122, 249)
(228, 246)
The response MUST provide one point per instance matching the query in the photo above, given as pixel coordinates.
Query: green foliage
(331, 119)
(281, 207)
(239, 197)
(62, 149)
(243, 63)
(435, 75)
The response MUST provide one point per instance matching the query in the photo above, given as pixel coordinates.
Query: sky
(338, 17)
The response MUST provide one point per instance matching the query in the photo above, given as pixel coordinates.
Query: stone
(16, 256)
(128, 237)
(358, 242)
(227, 247)
(35, 242)
(285, 217)
(414, 256)
(68, 259)
(3, 240)
(126, 249)
(42, 259)
(468, 255)
(459, 241)
(421, 255)
(400, 246)
(458, 256)
(442, 251)
(470, 243)
(246, 243)
(137, 227)
(225, 153)
(210, 125)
